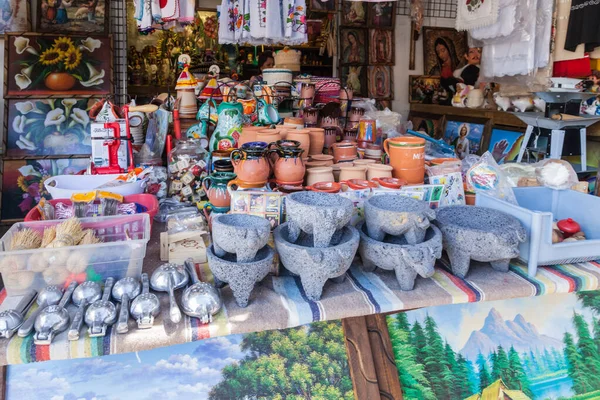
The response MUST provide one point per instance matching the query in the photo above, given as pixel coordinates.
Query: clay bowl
(325, 187)
(239, 234)
(390, 183)
(316, 265)
(359, 184)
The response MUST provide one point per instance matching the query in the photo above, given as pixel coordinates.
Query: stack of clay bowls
(397, 235)
(239, 254)
(316, 242)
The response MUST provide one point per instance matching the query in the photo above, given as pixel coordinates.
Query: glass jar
(188, 166)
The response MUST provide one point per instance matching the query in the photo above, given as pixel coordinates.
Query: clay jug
(228, 129)
(215, 186)
(378, 171)
(321, 174)
(250, 165)
(407, 158)
(302, 136)
(344, 151)
(317, 141)
(288, 166)
(353, 172)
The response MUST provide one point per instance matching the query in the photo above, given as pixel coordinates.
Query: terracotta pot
(356, 114)
(389, 183)
(359, 184)
(294, 122)
(322, 157)
(337, 169)
(330, 136)
(60, 81)
(322, 174)
(317, 140)
(215, 186)
(249, 134)
(289, 167)
(310, 116)
(325, 187)
(350, 135)
(407, 157)
(344, 151)
(317, 164)
(268, 135)
(354, 172)
(251, 166)
(363, 161)
(470, 199)
(302, 136)
(378, 171)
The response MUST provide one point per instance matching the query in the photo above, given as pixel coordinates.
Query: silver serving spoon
(85, 294)
(11, 320)
(168, 278)
(200, 300)
(101, 313)
(48, 296)
(124, 290)
(53, 319)
(146, 306)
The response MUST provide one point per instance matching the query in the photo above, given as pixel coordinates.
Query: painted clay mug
(229, 126)
(251, 166)
(215, 186)
(267, 113)
(407, 158)
(311, 117)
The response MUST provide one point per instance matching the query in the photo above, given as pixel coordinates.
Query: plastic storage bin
(538, 208)
(121, 254)
(63, 186)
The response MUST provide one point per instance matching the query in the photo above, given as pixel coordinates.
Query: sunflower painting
(48, 127)
(58, 66)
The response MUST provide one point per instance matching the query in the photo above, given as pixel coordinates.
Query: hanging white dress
(169, 10)
(143, 15)
(274, 26)
(258, 20)
(294, 22)
(226, 31)
(187, 10)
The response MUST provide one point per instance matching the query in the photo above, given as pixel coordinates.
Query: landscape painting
(82, 16)
(545, 347)
(308, 362)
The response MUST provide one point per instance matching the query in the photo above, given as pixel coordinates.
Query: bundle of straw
(68, 233)
(25, 240)
(89, 237)
(49, 236)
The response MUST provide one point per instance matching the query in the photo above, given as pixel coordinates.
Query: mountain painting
(545, 347)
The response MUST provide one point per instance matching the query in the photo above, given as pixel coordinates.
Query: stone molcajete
(239, 234)
(317, 214)
(397, 215)
(241, 277)
(480, 234)
(406, 260)
(316, 265)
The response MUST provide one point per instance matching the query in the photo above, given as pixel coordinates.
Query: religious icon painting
(381, 47)
(354, 13)
(355, 77)
(14, 16)
(380, 82)
(354, 46)
(382, 14)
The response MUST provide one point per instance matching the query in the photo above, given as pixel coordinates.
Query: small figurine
(186, 86)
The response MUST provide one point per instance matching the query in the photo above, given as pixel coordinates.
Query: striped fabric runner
(280, 302)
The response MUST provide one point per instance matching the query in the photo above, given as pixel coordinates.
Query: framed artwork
(326, 6)
(14, 16)
(76, 16)
(382, 14)
(48, 127)
(381, 85)
(505, 143)
(467, 136)
(431, 124)
(41, 65)
(354, 13)
(425, 89)
(443, 50)
(381, 47)
(23, 182)
(354, 46)
(355, 77)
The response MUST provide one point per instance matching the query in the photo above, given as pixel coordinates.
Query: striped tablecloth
(279, 302)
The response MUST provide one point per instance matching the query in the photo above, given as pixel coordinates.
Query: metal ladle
(11, 320)
(101, 313)
(146, 306)
(124, 290)
(85, 294)
(53, 319)
(200, 300)
(48, 296)
(168, 278)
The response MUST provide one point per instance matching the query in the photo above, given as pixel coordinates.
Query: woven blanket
(279, 302)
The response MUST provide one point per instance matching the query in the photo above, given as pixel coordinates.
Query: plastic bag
(555, 174)
(185, 221)
(485, 176)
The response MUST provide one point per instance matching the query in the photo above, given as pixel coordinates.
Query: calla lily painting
(49, 127)
(55, 65)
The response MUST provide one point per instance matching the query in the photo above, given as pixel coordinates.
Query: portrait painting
(48, 127)
(505, 144)
(354, 46)
(354, 13)
(326, 6)
(426, 89)
(381, 47)
(464, 136)
(355, 77)
(58, 66)
(443, 50)
(75, 16)
(14, 16)
(381, 14)
(23, 182)
(429, 124)
(380, 82)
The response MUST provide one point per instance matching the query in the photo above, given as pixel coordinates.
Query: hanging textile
(471, 14)
(504, 26)
(187, 11)
(583, 25)
(563, 10)
(169, 10)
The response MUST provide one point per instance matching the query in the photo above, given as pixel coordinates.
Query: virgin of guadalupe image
(354, 52)
(446, 63)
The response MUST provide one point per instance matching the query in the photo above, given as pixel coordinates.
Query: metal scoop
(11, 320)
(168, 278)
(53, 319)
(101, 313)
(146, 306)
(124, 290)
(200, 300)
(85, 294)
(48, 296)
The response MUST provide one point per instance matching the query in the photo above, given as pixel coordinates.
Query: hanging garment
(143, 15)
(155, 10)
(542, 32)
(583, 25)
(471, 14)
(226, 30)
(258, 20)
(294, 22)
(275, 25)
(572, 68)
(504, 26)
(169, 10)
(563, 10)
(187, 11)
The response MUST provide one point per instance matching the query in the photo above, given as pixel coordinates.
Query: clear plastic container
(121, 254)
(187, 166)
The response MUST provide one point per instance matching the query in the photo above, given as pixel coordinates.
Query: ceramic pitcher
(229, 126)
(215, 186)
(288, 165)
(251, 166)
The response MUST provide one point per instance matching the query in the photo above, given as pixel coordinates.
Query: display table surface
(279, 302)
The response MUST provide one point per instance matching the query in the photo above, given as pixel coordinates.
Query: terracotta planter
(322, 157)
(353, 172)
(470, 199)
(317, 141)
(344, 151)
(322, 174)
(378, 171)
(325, 187)
(407, 157)
(268, 135)
(250, 166)
(60, 81)
(302, 136)
(294, 122)
(390, 183)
